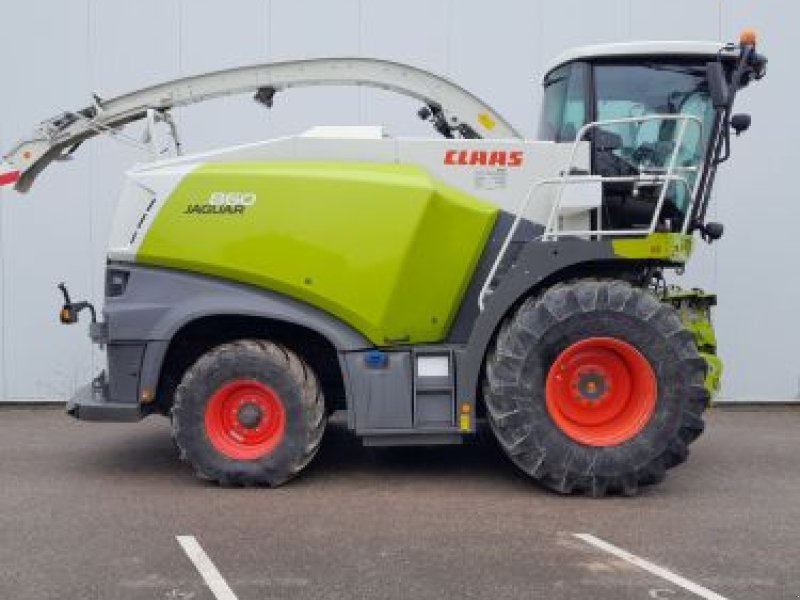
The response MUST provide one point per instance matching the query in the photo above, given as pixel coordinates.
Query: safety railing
(648, 176)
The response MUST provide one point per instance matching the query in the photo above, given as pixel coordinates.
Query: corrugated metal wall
(54, 52)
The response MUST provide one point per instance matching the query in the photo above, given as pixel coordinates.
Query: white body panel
(662, 48)
(143, 195)
(464, 164)
(579, 195)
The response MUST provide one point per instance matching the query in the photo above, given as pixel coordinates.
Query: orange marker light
(748, 37)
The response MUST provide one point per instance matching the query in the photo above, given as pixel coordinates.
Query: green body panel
(714, 373)
(385, 248)
(672, 247)
(694, 307)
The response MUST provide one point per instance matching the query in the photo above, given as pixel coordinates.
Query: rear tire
(248, 413)
(595, 387)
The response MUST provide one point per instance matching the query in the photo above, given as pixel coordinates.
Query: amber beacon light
(748, 37)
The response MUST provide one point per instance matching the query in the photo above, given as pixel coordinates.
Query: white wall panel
(414, 32)
(504, 69)
(567, 23)
(215, 36)
(675, 20)
(759, 291)
(311, 29)
(498, 50)
(45, 235)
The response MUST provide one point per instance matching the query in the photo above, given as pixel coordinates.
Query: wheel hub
(245, 420)
(601, 391)
(591, 384)
(250, 415)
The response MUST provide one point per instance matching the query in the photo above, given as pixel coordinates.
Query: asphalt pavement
(92, 511)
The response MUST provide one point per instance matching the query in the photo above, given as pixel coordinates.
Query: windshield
(657, 88)
(581, 92)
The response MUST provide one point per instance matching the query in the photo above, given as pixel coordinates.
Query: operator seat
(625, 205)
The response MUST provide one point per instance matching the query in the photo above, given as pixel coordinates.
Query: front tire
(248, 413)
(595, 387)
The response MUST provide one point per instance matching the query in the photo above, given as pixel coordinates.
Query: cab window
(564, 109)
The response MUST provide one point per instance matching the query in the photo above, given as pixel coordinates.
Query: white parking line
(213, 578)
(674, 578)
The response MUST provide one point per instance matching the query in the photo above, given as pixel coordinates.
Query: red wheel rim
(245, 420)
(601, 391)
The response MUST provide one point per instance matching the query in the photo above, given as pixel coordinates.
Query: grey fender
(539, 264)
(157, 303)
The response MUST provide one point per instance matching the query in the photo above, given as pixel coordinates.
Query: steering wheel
(654, 153)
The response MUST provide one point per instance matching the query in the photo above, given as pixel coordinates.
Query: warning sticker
(491, 179)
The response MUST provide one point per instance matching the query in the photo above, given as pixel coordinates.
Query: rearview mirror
(717, 84)
(740, 123)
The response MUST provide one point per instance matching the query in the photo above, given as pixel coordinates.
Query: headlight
(116, 282)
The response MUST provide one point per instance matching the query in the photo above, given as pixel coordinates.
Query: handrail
(685, 119)
(552, 233)
(512, 230)
(656, 180)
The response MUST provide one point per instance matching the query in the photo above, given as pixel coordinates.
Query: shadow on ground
(147, 448)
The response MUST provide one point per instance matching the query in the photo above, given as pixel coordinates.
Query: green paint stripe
(672, 247)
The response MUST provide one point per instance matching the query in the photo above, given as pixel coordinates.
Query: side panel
(380, 398)
(406, 393)
(125, 361)
(672, 247)
(384, 248)
(158, 302)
